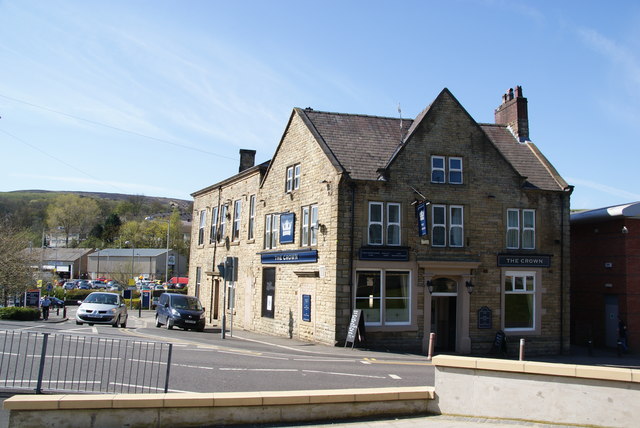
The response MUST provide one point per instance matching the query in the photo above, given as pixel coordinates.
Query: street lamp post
(166, 258)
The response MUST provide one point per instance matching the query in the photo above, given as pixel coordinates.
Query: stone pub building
(437, 224)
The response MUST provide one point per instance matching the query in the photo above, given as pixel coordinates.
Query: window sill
(390, 328)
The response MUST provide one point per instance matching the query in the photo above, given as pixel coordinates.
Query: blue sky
(157, 97)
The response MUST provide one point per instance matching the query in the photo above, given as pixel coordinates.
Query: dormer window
(446, 169)
(293, 178)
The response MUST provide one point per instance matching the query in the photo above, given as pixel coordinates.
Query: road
(245, 361)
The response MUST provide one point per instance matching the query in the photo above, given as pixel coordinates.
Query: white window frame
(237, 211)
(390, 224)
(383, 297)
(522, 229)
(530, 229)
(513, 229)
(304, 227)
(313, 225)
(223, 221)
(296, 177)
(435, 169)
(379, 206)
(447, 169)
(309, 226)
(203, 222)
(289, 180)
(438, 226)
(452, 169)
(456, 226)
(252, 217)
(214, 225)
(523, 275)
(267, 231)
(384, 224)
(292, 180)
(448, 227)
(271, 229)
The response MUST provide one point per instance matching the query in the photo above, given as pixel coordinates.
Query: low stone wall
(536, 392)
(198, 409)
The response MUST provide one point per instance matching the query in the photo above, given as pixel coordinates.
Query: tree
(15, 262)
(111, 228)
(72, 214)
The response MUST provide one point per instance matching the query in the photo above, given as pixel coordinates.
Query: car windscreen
(186, 302)
(105, 299)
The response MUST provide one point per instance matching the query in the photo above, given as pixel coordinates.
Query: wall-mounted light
(469, 285)
(430, 286)
(625, 230)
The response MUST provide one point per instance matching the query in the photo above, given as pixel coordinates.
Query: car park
(179, 310)
(102, 308)
(96, 283)
(70, 284)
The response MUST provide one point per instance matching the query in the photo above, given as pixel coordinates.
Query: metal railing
(58, 362)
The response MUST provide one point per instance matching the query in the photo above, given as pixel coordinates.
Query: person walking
(622, 334)
(46, 303)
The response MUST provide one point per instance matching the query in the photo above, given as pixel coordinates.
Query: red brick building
(605, 275)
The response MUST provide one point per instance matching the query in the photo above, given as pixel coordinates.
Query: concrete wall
(534, 391)
(208, 409)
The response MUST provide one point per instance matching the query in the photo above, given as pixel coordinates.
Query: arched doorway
(444, 302)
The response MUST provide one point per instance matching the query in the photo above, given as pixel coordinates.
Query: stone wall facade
(406, 287)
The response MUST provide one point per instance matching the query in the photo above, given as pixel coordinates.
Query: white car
(102, 308)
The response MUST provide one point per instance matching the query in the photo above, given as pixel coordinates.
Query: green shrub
(20, 314)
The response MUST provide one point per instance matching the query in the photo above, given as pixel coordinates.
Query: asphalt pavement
(578, 355)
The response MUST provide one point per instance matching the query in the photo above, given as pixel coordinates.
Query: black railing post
(43, 353)
(166, 380)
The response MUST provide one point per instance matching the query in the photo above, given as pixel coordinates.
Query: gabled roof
(525, 158)
(362, 145)
(127, 252)
(59, 254)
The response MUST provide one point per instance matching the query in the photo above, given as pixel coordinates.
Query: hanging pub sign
(287, 221)
(306, 307)
(421, 211)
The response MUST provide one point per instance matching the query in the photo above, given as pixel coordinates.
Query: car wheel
(78, 323)
(91, 324)
(124, 323)
(115, 324)
(158, 321)
(169, 324)
(200, 329)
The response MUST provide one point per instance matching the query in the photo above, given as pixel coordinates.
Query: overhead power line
(126, 131)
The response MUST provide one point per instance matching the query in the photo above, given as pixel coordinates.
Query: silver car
(102, 308)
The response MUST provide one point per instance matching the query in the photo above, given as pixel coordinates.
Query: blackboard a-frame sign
(356, 328)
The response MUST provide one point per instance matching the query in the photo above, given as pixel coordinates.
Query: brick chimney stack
(514, 114)
(247, 159)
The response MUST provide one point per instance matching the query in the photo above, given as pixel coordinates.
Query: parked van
(181, 311)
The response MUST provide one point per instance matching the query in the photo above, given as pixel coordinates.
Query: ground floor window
(384, 296)
(519, 300)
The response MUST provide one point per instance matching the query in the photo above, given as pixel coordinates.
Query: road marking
(401, 363)
(344, 374)
(146, 387)
(327, 360)
(239, 369)
(393, 376)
